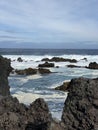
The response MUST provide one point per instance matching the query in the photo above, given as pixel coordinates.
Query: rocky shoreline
(80, 110)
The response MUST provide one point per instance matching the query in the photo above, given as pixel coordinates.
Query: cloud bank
(49, 23)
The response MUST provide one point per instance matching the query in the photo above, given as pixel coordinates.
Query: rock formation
(19, 59)
(16, 116)
(31, 71)
(63, 87)
(5, 69)
(46, 64)
(81, 106)
(93, 65)
(59, 59)
(28, 71)
(44, 71)
(75, 66)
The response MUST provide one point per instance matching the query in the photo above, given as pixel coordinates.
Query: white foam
(30, 60)
(27, 98)
(55, 98)
(24, 79)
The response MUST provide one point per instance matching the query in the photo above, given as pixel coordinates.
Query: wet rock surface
(19, 59)
(5, 69)
(63, 87)
(44, 71)
(46, 64)
(75, 66)
(31, 71)
(59, 59)
(28, 71)
(93, 65)
(81, 106)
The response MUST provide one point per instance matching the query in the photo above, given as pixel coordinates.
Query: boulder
(44, 71)
(28, 71)
(31, 71)
(19, 59)
(63, 87)
(59, 59)
(16, 116)
(81, 106)
(46, 64)
(45, 59)
(93, 65)
(5, 69)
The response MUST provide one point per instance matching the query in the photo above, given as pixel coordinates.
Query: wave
(34, 60)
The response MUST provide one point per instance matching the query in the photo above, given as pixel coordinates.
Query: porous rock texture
(5, 69)
(17, 116)
(81, 107)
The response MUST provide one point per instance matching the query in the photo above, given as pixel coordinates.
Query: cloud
(49, 21)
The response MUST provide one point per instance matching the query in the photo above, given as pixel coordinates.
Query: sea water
(29, 88)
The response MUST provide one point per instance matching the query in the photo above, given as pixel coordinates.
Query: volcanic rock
(44, 71)
(63, 87)
(59, 59)
(46, 64)
(19, 59)
(75, 66)
(5, 69)
(16, 116)
(81, 106)
(45, 59)
(93, 65)
(28, 71)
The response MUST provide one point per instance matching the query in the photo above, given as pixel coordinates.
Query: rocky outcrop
(44, 71)
(28, 71)
(16, 116)
(5, 69)
(19, 59)
(46, 64)
(93, 65)
(75, 66)
(63, 87)
(59, 59)
(31, 71)
(81, 106)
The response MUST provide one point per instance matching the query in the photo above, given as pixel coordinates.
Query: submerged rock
(81, 106)
(5, 69)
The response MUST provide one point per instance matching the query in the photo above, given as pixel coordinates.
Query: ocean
(29, 88)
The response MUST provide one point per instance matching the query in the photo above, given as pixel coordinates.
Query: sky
(49, 24)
